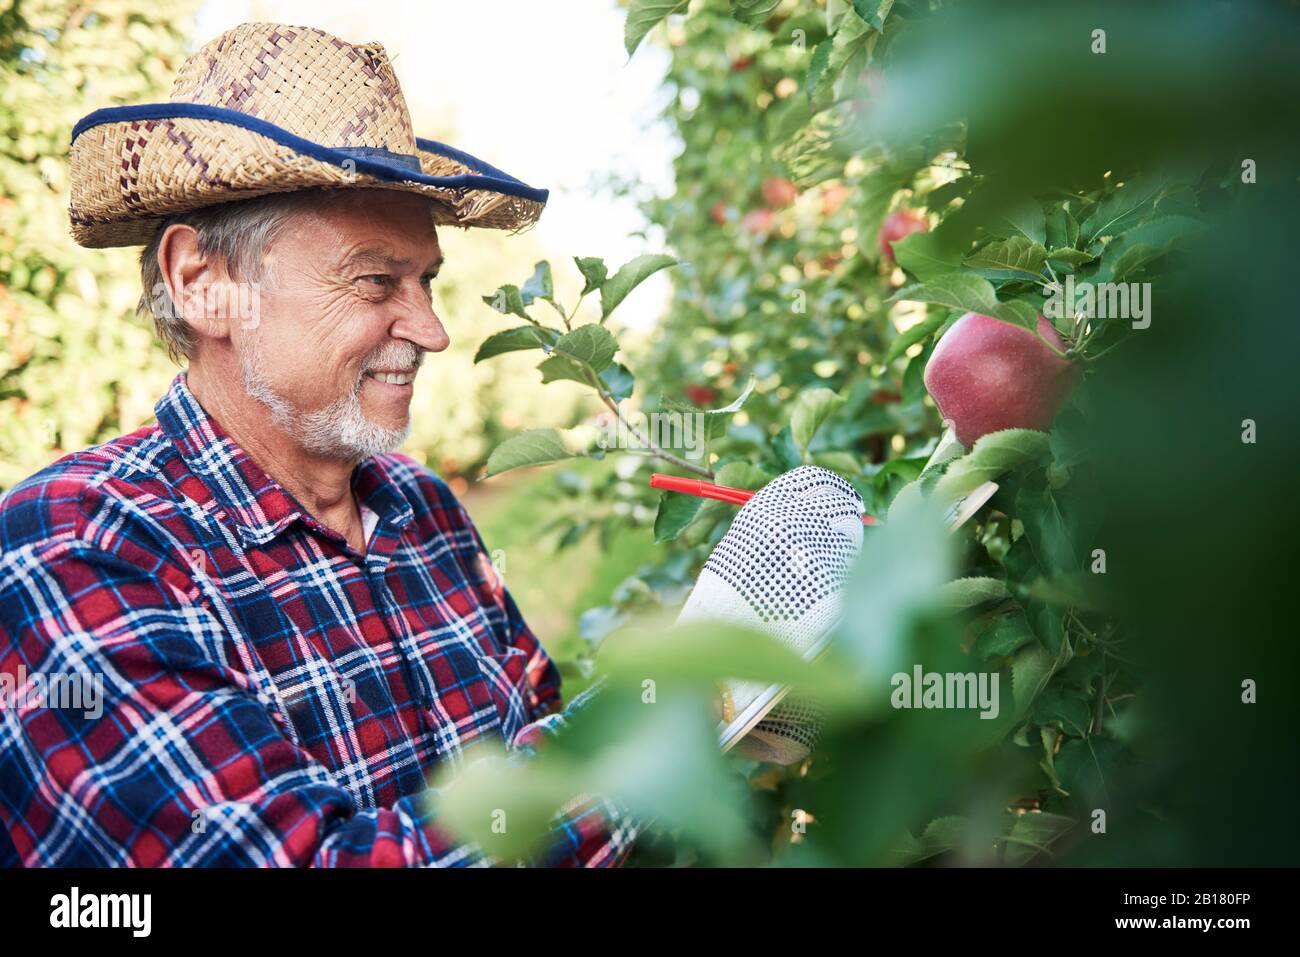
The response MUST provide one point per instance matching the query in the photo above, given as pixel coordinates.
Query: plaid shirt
(270, 696)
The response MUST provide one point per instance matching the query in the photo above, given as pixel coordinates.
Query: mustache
(403, 354)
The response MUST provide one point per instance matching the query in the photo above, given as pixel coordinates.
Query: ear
(198, 283)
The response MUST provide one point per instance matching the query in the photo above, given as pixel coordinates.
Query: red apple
(742, 63)
(702, 395)
(987, 375)
(833, 197)
(779, 193)
(898, 224)
(719, 213)
(758, 222)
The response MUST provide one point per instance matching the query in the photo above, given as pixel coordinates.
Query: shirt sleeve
(177, 759)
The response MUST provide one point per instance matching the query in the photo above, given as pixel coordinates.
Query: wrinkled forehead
(397, 225)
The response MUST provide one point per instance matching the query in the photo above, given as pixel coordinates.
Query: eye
(427, 279)
(377, 281)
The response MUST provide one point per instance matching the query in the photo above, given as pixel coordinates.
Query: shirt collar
(259, 507)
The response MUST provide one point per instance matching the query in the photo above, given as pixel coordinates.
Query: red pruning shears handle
(721, 493)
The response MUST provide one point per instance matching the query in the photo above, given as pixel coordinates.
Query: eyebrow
(371, 257)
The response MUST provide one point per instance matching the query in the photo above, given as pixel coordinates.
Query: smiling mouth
(393, 378)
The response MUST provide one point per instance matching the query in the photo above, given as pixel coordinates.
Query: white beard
(340, 430)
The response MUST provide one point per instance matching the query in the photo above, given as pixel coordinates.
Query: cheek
(313, 347)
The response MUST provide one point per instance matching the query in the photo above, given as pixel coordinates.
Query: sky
(542, 90)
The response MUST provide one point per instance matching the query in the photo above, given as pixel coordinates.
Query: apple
(742, 63)
(702, 395)
(779, 193)
(898, 224)
(833, 197)
(719, 213)
(987, 375)
(758, 222)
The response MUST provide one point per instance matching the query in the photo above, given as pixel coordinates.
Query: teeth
(395, 378)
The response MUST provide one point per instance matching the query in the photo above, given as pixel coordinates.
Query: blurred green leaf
(812, 408)
(644, 15)
(968, 592)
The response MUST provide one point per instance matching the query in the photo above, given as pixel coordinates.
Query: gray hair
(239, 232)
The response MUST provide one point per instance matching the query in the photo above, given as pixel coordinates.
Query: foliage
(63, 307)
(861, 106)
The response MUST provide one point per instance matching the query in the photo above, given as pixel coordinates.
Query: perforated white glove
(780, 569)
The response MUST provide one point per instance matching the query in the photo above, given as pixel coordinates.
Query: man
(283, 625)
(291, 625)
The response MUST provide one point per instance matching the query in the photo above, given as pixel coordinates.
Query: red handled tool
(722, 493)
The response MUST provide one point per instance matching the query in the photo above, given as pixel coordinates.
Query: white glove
(780, 569)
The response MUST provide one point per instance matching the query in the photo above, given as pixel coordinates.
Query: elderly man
(292, 626)
(288, 624)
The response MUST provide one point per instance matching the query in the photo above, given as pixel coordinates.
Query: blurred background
(819, 169)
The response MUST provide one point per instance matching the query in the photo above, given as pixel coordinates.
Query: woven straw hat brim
(132, 166)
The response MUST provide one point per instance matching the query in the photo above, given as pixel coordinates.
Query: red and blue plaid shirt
(259, 675)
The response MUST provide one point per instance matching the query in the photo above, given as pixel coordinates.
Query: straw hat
(267, 108)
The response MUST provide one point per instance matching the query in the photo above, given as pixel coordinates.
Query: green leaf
(845, 463)
(593, 271)
(1030, 670)
(955, 290)
(1001, 634)
(618, 380)
(1033, 834)
(739, 401)
(784, 451)
(914, 334)
(940, 835)
(812, 408)
(1067, 708)
(590, 344)
(1141, 244)
(992, 455)
(742, 475)
(968, 592)
(930, 254)
(558, 368)
(913, 385)
(1028, 220)
(1074, 257)
(539, 284)
(753, 12)
(1121, 209)
(817, 67)
(535, 447)
(1017, 313)
(1048, 529)
(1056, 234)
(852, 37)
(508, 301)
(1017, 254)
(644, 15)
(676, 511)
(874, 12)
(518, 339)
(629, 276)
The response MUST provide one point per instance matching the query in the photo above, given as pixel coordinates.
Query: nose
(418, 323)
